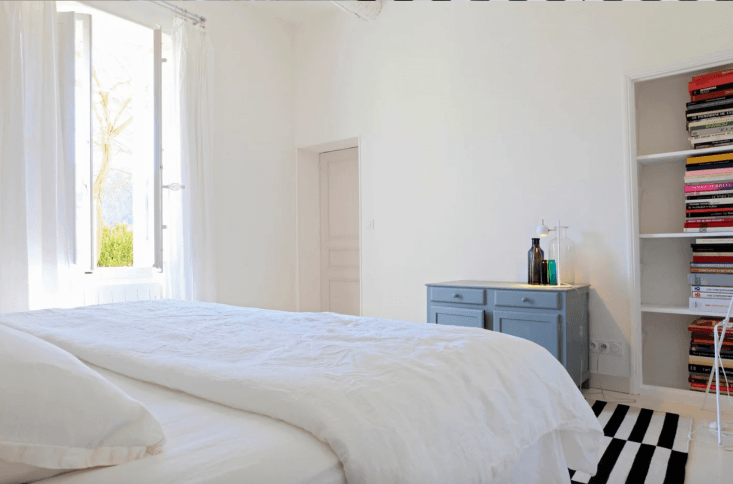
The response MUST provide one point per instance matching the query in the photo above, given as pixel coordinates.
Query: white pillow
(56, 414)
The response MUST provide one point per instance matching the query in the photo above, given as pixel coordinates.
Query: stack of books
(709, 193)
(702, 355)
(711, 275)
(710, 110)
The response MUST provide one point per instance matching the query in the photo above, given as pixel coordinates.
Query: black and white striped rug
(641, 446)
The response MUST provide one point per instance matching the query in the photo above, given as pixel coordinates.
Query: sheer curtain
(35, 217)
(188, 238)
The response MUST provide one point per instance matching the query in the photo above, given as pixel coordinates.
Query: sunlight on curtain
(36, 217)
(188, 238)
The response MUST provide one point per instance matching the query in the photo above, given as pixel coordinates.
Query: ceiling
(297, 12)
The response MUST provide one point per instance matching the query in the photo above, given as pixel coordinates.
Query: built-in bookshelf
(661, 253)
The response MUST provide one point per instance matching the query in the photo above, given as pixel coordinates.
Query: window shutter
(158, 147)
(75, 79)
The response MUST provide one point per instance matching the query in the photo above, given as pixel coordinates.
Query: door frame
(307, 160)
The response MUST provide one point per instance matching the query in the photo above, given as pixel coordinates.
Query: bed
(251, 395)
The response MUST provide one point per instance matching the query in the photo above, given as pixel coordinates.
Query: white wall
(479, 119)
(309, 230)
(254, 156)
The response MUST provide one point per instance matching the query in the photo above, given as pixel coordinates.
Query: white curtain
(188, 256)
(35, 216)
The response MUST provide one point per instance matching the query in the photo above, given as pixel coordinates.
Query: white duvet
(396, 401)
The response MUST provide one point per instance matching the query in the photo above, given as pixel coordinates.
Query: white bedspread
(208, 443)
(397, 402)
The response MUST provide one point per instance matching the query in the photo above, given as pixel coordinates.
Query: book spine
(709, 223)
(713, 130)
(702, 387)
(709, 166)
(711, 346)
(709, 178)
(696, 160)
(710, 204)
(710, 279)
(708, 361)
(704, 368)
(711, 95)
(711, 144)
(705, 230)
(727, 342)
(704, 138)
(728, 80)
(700, 105)
(705, 249)
(720, 113)
(709, 123)
(726, 355)
(715, 241)
(707, 80)
(708, 187)
(714, 171)
(718, 252)
(702, 195)
(709, 106)
(711, 295)
(708, 212)
(726, 290)
(709, 305)
(712, 270)
(702, 217)
(711, 265)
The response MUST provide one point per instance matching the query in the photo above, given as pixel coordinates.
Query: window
(114, 112)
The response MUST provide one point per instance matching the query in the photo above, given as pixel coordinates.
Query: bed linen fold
(396, 401)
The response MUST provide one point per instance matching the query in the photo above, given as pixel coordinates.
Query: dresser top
(510, 285)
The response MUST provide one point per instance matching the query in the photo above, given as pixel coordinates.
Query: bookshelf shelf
(679, 156)
(666, 309)
(684, 235)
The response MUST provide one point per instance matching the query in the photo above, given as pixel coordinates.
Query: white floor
(707, 464)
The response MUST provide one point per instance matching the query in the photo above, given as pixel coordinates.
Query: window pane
(122, 104)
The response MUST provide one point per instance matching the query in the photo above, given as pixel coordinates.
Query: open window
(112, 77)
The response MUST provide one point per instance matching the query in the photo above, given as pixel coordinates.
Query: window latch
(174, 187)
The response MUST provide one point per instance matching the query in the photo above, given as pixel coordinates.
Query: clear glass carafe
(563, 253)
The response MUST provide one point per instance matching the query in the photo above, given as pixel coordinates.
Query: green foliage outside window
(116, 250)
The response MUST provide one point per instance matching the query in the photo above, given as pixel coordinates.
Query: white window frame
(72, 122)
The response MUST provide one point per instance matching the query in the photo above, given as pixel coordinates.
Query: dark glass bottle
(534, 259)
(545, 279)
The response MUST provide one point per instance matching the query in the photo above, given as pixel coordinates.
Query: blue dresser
(554, 317)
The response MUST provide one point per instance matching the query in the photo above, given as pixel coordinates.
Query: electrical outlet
(594, 346)
(615, 348)
(607, 347)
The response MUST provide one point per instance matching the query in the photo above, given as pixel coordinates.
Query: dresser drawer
(472, 318)
(528, 299)
(457, 295)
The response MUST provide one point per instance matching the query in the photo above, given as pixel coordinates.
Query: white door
(340, 231)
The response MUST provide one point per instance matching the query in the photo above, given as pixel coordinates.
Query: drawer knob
(457, 295)
(525, 299)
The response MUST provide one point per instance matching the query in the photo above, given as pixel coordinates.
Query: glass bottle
(565, 249)
(544, 272)
(551, 273)
(534, 262)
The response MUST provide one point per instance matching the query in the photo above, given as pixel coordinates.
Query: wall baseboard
(610, 382)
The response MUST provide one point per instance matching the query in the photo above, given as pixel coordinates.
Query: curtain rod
(195, 18)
